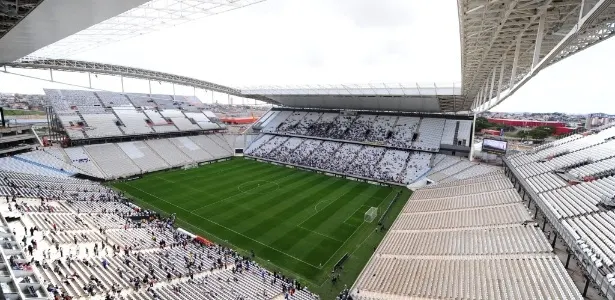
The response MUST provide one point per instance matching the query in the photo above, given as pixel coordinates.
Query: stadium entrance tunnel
(258, 187)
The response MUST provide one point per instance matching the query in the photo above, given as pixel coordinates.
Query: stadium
(353, 191)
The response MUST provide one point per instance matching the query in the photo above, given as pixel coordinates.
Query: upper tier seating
(110, 99)
(306, 123)
(321, 127)
(289, 124)
(360, 128)
(429, 134)
(133, 121)
(403, 131)
(272, 123)
(101, 125)
(381, 127)
(448, 135)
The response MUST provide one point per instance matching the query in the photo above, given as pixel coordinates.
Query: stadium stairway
(43, 166)
(85, 134)
(456, 136)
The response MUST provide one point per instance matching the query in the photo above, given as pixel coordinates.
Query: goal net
(371, 214)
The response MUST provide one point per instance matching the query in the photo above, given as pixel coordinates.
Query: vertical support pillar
(513, 74)
(122, 81)
(586, 287)
(554, 239)
(90, 79)
(544, 220)
(488, 100)
(536, 213)
(568, 260)
(472, 138)
(149, 82)
(48, 115)
(173, 85)
(501, 79)
(485, 94)
(51, 74)
(539, 38)
(194, 91)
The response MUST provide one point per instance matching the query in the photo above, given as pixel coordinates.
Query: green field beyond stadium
(295, 221)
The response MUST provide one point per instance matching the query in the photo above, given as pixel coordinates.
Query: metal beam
(539, 37)
(108, 69)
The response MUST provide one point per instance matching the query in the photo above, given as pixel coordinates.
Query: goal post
(371, 214)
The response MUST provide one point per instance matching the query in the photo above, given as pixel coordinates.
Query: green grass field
(297, 222)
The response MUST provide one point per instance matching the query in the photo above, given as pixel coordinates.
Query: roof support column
(502, 68)
(472, 138)
(51, 74)
(173, 85)
(515, 61)
(485, 93)
(122, 81)
(586, 6)
(90, 79)
(488, 101)
(149, 82)
(539, 37)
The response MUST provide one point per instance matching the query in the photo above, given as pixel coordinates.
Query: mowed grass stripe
(238, 203)
(210, 226)
(194, 195)
(298, 220)
(270, 205)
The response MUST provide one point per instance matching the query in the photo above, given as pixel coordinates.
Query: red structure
(526, 123)
(563, 130)
(491, 132)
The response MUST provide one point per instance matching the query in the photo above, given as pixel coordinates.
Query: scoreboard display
(494, 146)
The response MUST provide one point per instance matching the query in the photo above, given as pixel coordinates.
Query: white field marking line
(226, 241)
(321, 234)
(234, 195)
(267, 181)
(239, 233)
(199, 190)
(342, 245)
(354, 213)
(330, 201)
(355, 250)
(355, 231)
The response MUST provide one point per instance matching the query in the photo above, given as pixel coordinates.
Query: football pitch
(298, 222)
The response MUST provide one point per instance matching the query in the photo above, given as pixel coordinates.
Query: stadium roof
(507, 42)
(150, 16)
(504, 43)
(28, 25)
(388, 97)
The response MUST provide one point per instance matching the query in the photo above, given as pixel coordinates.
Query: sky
(298, 42)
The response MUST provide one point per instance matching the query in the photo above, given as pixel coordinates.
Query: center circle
(258, 187)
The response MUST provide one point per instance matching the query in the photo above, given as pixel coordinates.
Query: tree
(541, 132)
(482, 123)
